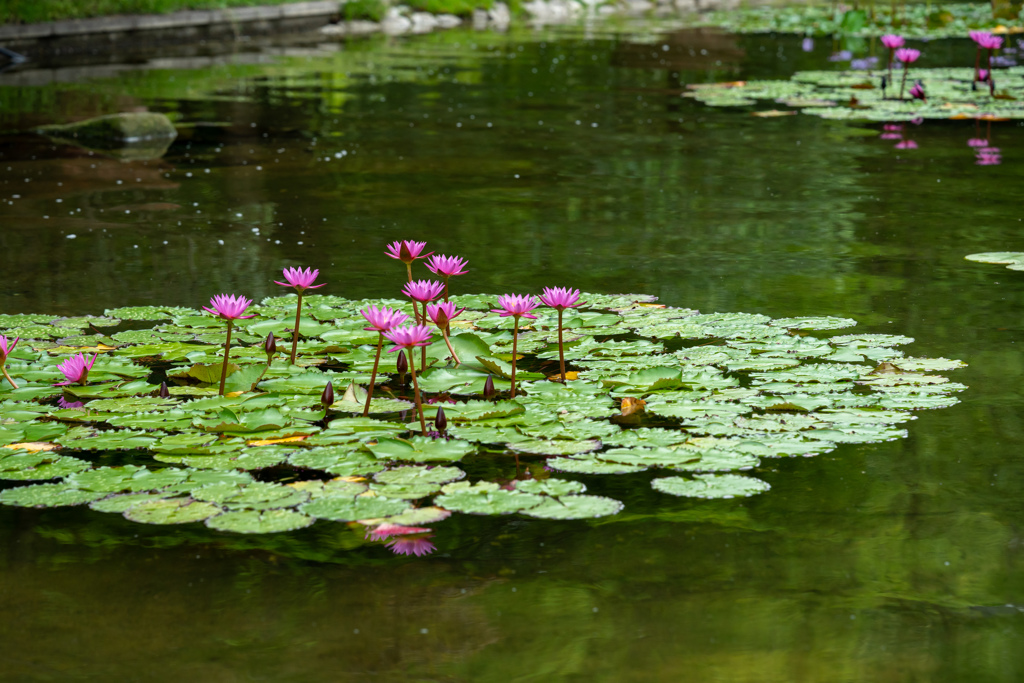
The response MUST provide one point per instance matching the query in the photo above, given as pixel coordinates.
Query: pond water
(554, 157)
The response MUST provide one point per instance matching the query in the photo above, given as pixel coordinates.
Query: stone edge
(122, 23)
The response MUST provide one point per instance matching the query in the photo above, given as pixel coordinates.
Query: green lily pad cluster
(702, 397)
(924, 20)
(859, 95)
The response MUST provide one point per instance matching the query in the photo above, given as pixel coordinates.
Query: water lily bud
(270, 346)
(441, 422)
(489, 391)
(403, 363)
(327, 398)
(164, 391)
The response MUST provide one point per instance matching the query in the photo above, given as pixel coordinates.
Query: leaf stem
(561, 353)
(227, 351)
(444, 333)
(295, 334)
(4, 369)
(416, 394)
(515, 341)
(373, 375)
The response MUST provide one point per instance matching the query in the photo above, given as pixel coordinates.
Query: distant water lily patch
(950, 93)
(702, 398)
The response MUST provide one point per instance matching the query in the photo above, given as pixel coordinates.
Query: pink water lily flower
(408, 337)
(561, 298)
(979, 36)
(300, 279)
(382, 319)
(443, 313)
(407, 251)
(76, 370)
(917, 92)
(5, 350)
(516, 305)
(447, 266)
(988, 41)
(893, 41)
(907, 55)
(423, 290)
(229, 307)
(7, 347)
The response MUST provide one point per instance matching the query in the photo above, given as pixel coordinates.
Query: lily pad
(170, 511)
(575, 507)
(254, 522)
(711, 486)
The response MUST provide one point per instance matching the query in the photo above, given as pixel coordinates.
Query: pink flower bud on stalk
(445, 267)
(906, 56)
(164, 391)
(442, 314)
(517, 306)
(228, 308)
(301, 280)
(441, 421)
(422, 291)
(406, 338)
(5, 350)
(381, 320)
(892, 42)
(76, 370)
(327, 397)
(270, 347)
(917, 92)
(561, 298)
(489, 390)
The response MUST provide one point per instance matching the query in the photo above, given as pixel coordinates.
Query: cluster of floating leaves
(924, 20)
(700, 396)
(859, 95)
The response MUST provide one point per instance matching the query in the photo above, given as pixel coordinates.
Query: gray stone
(132, 135)
(448, 21)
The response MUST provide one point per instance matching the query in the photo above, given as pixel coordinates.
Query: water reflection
(543, 158)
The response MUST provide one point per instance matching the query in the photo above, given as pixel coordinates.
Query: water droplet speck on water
(424, 631)
(72, 236)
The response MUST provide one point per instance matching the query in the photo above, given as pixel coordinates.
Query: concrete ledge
(193, 18)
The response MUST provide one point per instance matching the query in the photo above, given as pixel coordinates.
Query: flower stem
(416, 394)
(890, 65)
(515, 340)
(561, 353)
(227, 350)
(903, 83)
(446, 290)
(373, 375)
(3, 368)
(295, 334)
(444, 333)
(977, 62)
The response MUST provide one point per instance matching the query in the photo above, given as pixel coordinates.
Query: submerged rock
(135, 135)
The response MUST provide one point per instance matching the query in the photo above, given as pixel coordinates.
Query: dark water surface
(545, 158)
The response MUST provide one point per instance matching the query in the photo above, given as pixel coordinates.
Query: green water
(551, 158)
